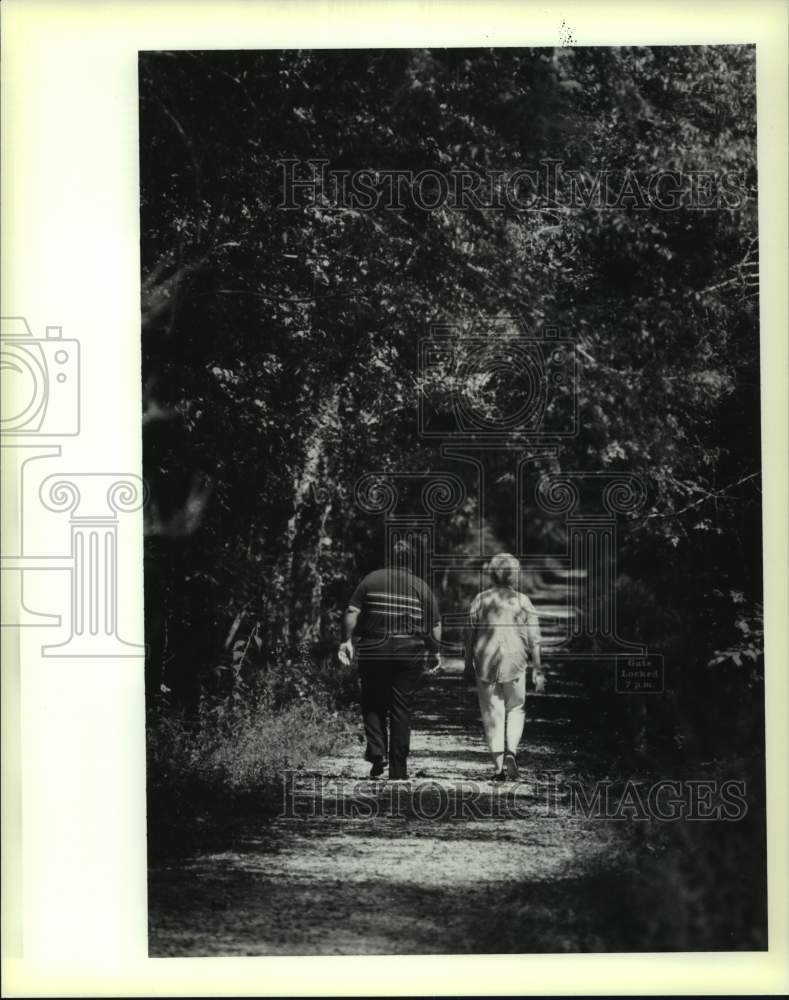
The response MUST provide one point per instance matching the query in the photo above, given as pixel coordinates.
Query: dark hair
(401, 554)
(402, 550)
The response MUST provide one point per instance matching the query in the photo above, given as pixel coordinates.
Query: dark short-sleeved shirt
(397, 610)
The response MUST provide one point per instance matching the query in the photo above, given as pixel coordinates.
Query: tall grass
(215, 767)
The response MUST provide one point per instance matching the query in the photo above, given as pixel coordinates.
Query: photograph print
(453, 550)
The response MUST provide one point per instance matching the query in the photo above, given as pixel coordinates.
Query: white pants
(503, 712)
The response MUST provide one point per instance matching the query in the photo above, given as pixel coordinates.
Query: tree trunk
(307, 484)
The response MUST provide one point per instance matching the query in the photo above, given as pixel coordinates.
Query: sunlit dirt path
(449, 863)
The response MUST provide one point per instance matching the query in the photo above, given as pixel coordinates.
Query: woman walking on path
(503, 635)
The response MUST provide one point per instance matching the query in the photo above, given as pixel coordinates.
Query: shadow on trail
(238, 908)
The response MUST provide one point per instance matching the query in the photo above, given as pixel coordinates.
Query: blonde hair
(504, 569)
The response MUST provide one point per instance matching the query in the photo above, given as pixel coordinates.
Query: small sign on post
(639, 674)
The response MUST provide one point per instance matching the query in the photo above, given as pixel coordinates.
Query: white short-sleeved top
(504, 622)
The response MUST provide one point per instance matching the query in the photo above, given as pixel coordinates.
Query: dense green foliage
(280, 347)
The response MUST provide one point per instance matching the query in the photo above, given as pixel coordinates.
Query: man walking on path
(394, 616)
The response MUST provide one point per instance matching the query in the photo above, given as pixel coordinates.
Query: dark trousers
(388, 686)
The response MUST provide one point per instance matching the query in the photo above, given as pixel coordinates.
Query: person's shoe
(378, 768)
(499, 776)
(511, 766)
